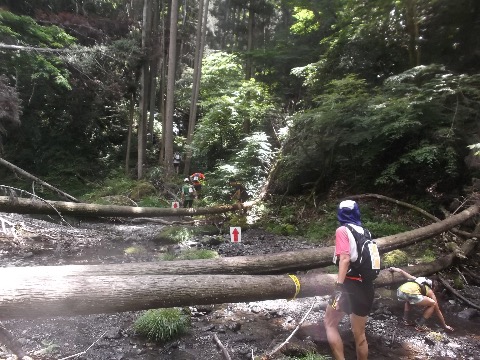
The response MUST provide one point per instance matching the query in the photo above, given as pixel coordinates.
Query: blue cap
(349, 213)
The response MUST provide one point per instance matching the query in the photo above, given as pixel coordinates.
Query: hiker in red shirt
(197, 179)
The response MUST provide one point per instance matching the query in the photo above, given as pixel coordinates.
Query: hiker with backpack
(358, 260)
(418, 291)
(176, 161)
(188, 193)
(197, 179)
(239, 194)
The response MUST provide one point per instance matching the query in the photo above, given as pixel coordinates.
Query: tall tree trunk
(197, 73)
(129, 136)
(172, 51)
(153, 69)
(144, 87)
(162, 87)
(250, 35)
(412, 30)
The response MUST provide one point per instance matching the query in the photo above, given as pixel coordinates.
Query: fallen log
(409, 206)
(17, 170)
(278, 263)
(457, 294)
(28, 206)
(28, 297)
(64, 290)
(387, 278)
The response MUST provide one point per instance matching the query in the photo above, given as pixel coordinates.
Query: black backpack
(367, 265)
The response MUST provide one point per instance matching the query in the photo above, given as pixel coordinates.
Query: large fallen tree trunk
(27, 206)
(26, 296)
(57, 290)
(278, 263)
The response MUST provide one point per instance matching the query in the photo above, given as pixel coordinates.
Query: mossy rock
(174, 235)
(132, 250)
(206, 230)
(142, 190)
(458, 283)
(395, 258)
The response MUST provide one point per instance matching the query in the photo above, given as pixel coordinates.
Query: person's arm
(403, 272)
(342, 250)
(343, 264)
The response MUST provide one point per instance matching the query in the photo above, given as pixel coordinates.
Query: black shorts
(357, 297)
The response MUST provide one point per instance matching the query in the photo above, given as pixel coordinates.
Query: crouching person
(417, 291)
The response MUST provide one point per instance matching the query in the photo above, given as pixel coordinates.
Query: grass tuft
(162, 324)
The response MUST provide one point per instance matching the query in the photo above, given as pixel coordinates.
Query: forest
(303, 96)
(302, 102)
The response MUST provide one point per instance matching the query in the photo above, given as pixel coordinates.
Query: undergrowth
(162, 324)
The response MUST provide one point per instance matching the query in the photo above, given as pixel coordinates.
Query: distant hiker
(188, 193)
(353, 293)
(418, 291)
(197, 179)
(176, 161)
(239, 193)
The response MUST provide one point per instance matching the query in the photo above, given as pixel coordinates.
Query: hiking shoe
(422, 328)
(407, 322)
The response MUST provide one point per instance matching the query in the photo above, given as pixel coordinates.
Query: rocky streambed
(243, 329)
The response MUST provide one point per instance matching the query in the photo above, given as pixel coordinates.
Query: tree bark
(131, 113)
(26, 206)
(144, 87)
(89, 289)
(60, 295)
(75, 290)
(409, 206)
(172, 51)
(197, 73)
(16, 169)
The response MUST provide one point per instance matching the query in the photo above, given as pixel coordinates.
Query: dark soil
(244, 329)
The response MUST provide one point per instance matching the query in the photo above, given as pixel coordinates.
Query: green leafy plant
(428, 256)
(162, 324)
(174, 235)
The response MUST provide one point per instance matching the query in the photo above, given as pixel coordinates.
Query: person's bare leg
(358, 329)
(331, 321)
(430, 306)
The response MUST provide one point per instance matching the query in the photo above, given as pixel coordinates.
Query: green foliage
(238, 220)
(162, 324)
(428, 255)
(395, 258)
(191, 254)
(305, 22)
(174, 235)
(282, 229)
(154, 201)
(381, 228)
(404, 130)
(116, 184)
(311, 356)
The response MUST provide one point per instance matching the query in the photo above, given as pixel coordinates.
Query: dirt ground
(244, 329)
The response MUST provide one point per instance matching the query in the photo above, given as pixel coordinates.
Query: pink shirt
(342, 243)
(345, 243)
